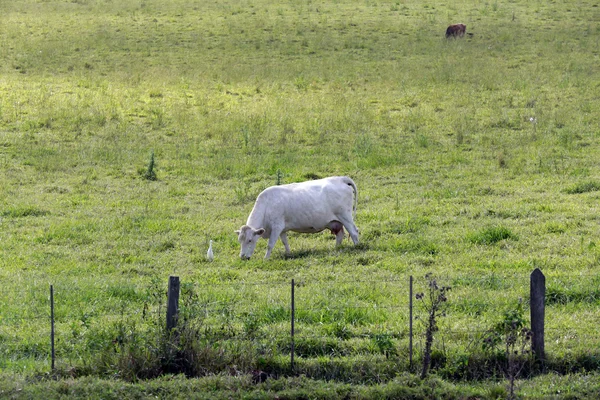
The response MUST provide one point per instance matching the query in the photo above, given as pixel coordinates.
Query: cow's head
(248, 236)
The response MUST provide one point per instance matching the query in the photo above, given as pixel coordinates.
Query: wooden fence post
(537, 293)
(410, 323)
(52, 326)
(172, 303)
(292, 329)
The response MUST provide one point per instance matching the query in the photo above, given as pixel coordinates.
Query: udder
(335, 227)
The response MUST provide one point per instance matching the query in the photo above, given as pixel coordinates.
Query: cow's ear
(259, 231)
(238, 232)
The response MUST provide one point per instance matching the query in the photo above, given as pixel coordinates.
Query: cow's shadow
(320, 252)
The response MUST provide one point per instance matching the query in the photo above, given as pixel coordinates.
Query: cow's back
(328, 191)
(298, 205)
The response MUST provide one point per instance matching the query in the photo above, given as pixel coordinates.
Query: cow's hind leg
(351, 228)
(339, 237)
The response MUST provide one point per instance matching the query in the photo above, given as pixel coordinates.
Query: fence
(291, 309)
(537, 312)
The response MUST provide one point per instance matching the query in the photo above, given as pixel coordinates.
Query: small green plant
(246, 136)
(511, 337)
(385, 345)
(150, 174)
(434, 302)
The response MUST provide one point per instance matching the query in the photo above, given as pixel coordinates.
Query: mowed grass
(476, 160)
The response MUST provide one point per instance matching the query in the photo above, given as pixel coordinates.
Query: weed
(514, 337)
(434, 303)
(385, 345)
(149, 173)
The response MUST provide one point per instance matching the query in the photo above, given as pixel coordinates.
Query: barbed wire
(24, 318)
(400, 334)
(231, 308)
(65, 287)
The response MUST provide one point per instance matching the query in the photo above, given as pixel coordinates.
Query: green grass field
(476, 159)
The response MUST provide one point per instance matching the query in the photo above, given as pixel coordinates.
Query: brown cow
(456, 30)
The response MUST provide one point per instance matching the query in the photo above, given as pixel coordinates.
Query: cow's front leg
(284, 240)
(272, 240)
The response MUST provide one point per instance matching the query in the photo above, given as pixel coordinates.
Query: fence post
(292, 329)
(172, 302)
(410, 323)
(537, 293)
(52, 326)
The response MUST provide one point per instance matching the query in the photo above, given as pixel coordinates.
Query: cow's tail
(351, 183)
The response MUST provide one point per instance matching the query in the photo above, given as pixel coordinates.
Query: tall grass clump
(584, 187)
(491, 235)
(23, 211)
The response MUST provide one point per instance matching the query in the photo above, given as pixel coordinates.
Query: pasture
(476, 159)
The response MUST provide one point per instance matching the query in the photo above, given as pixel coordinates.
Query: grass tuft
(491, 235)
(563, 295)
(584, 187)
(24, 211)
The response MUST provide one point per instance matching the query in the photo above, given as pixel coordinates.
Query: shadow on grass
(344, 249)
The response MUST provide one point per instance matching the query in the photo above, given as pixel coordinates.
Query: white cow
(306, 207)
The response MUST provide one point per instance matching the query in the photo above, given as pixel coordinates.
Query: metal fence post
(53, 354)
(292, 329)
(410, 323)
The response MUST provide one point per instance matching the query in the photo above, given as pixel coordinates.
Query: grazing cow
(456, 30)
(306, 207)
